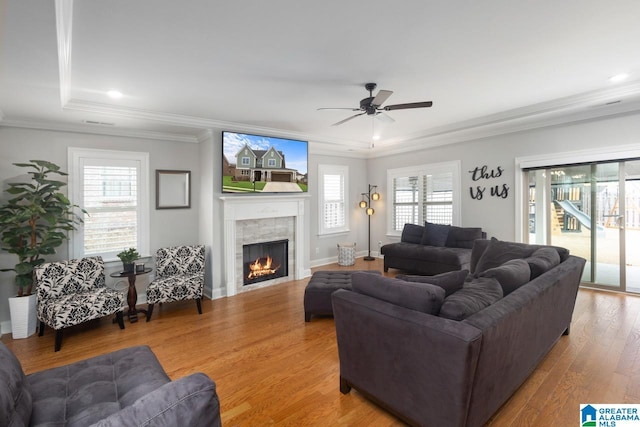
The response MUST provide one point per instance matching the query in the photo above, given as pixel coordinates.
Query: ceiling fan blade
(347, 119)
(384, 117)
(337, 108)
(381, 97)
(409, 105)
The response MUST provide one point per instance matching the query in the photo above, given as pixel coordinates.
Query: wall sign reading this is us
(483, 173)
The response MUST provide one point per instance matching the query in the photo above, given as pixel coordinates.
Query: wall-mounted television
(263, 164)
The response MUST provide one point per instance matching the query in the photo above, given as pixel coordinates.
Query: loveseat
(451, 353)
(127, 387)
(431, 249)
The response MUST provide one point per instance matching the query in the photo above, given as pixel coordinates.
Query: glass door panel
(632, 225)
(606, 222)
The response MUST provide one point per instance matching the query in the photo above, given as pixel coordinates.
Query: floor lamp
(366, 204)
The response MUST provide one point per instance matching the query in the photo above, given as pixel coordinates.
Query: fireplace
(264, 261)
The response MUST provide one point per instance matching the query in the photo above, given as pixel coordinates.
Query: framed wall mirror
(173, 189)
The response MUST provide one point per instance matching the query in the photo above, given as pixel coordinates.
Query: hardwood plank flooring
(272, 368)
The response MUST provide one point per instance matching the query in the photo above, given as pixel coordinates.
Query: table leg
(132, 298)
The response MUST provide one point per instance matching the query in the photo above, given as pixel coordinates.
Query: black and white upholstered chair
(179, 276)
(74, 292)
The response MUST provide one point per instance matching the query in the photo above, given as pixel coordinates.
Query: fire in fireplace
(265, 261)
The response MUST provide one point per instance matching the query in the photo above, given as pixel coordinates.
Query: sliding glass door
(594, 211)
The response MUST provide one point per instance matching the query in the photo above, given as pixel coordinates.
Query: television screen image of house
(263, 164)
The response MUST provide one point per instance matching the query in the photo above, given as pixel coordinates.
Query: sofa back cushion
(57, 279)
(481, 246)
(463, 237)
(15, 397)
(542, 260)
(435, 234)
(451, 281)
(423, 297)
(511, 275)
(474, 296)
(412, 233)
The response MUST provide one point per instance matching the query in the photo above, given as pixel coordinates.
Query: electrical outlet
(379, 243)
(317, 251)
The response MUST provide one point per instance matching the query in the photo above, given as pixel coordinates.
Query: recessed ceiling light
(618, 78)
(114, 94)
(376, 137)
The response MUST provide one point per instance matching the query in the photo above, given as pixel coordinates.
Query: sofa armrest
(189, 401)
(419, 366)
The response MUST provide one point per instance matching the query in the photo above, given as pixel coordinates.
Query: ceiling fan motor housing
(365, 105)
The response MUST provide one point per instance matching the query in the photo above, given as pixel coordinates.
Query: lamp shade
(375, 196)
(370, 211)
(363, 204)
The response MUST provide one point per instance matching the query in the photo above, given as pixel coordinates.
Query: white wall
(496, 215)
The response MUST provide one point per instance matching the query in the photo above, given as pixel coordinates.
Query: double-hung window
(333, 199)
(424, 193)
(112, 187)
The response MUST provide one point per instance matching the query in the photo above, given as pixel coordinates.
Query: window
(112, 186)
(245, 161)
(333, 199)
(424, 193)
(271, 163)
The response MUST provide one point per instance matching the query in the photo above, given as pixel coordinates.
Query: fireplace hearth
(264, 261)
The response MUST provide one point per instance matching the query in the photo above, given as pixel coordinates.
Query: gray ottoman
(317, 295)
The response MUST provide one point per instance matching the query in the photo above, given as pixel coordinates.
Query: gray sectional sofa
(124, 388)
(451, 353)
(431, 249)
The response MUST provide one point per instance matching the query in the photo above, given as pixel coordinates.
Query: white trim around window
(124, 197)
(333, 199)
(423, 203)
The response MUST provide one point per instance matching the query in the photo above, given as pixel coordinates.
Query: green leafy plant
(35, 220)
(128, 255)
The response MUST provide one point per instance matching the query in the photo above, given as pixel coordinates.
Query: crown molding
(97, 130)
(64, 23)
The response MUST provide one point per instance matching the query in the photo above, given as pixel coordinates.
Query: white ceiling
(260, 66)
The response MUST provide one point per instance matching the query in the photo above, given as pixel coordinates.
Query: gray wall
(203, 222)
(493, 214)
(167, 227)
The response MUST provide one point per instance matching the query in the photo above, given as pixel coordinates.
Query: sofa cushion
(463, 237)
(85, 392)
(474, 296)
(542, 260)
(412, 233)
(423, 297)
(15, 397)
(498, 252)
(480, 246)
(450, 281)
(511, 275)
(435, 234)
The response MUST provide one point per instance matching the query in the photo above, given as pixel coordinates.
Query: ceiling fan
(372, 106)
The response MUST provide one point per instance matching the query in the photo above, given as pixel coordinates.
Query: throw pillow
(511, 275)
(435, 234)
(542, 260)
(450, 281)
(498, 252)
(412, 233)
(463, 237)
(473, 297)
(422, 297)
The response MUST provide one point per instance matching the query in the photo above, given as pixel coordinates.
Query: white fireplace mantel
(242, 208)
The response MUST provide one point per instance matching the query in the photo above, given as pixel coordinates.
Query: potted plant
(128, 258)
(34, 222)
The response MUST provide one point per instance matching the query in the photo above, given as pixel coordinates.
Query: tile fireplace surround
(255, 219)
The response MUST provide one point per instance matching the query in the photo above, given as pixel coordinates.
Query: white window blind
(111, 201)
(424, 193)
(112, 186)
(333, 200)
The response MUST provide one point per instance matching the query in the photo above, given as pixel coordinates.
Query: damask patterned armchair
(179, 276)
(73, 292)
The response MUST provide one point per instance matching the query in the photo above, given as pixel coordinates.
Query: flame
(259, 270)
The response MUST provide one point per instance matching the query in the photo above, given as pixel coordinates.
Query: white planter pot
(23, 316)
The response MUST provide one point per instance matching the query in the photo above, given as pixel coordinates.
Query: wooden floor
(272, 368)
